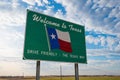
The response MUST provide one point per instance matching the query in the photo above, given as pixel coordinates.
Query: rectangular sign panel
(52, 39)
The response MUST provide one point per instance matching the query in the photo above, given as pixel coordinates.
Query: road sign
(52, 39)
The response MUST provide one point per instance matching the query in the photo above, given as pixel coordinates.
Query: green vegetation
(82, 78)
(100, 78)
(67, 78)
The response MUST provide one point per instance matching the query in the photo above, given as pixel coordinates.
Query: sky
(101, 19)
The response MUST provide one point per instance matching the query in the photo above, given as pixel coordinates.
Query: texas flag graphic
(59, 39)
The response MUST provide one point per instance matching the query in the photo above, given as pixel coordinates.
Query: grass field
(65, 78)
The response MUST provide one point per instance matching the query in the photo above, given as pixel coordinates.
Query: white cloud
(49, 10)
(38, 2)
(117, 27)
(11, 42)
(11, 14)
(103, 42)
(3, 3)
(112, 3)
(110, 43)
(101, 53)
(97, 52)
(11, 18)
(115, 12)
(102, 3)
(59, 14)
(100, 67)
(107, 3)
(15, 3)
(12, 22)
(30, 2)
(117, 48)
(46, 1)
(92, 40)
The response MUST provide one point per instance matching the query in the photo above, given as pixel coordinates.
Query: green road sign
(52, 39)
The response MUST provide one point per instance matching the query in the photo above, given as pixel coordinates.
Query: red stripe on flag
(65, 46)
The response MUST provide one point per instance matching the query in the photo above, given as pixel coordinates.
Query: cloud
(10, 17)
(95, 15)
(59, 14)
(30, 2)
(12, 22)
(101, 62)
(108, 42)
(117, 48)
(38, 2)
(49, 10)
(117, 29)
(46, 1)
(102, 55)
(115, 12)
(11, 38)
(90, 39)
(15, 4)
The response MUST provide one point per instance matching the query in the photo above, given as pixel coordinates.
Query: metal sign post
(60, 72)
(38, 70)
(76, 72)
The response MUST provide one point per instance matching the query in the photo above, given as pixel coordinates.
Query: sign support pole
(76, 72)
(37, 70)
(60, 72)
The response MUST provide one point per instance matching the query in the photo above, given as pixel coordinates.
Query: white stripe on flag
(63, 35)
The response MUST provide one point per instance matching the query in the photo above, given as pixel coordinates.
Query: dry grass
(65, 78)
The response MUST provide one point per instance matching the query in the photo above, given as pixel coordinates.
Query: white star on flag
(53, 36)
